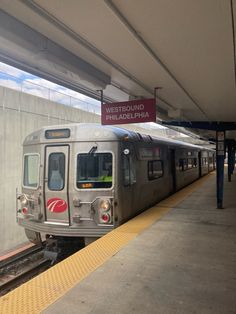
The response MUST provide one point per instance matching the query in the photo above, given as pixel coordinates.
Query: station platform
(177, 257)
(15, 250)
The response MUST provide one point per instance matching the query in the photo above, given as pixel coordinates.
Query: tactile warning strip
(41, 291)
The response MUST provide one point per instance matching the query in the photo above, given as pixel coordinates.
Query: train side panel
(187, 167)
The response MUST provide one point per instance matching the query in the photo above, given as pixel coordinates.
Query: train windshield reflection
(31, 170)
(94, 171)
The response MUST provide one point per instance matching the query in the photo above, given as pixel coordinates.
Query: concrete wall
(20, 114)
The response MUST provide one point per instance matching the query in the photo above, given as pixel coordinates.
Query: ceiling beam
(36, 8)
(154, 55)
(203, 125)
(30, 51)
(233, 13)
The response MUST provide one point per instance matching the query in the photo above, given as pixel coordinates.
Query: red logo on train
(56, 205)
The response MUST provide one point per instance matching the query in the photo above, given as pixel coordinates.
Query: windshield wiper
(93, 149)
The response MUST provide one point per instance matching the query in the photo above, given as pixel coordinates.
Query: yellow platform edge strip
(43, 290)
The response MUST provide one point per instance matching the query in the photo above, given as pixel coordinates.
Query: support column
(233, 163)
(220, 180)
(220, 156)
(231, 153)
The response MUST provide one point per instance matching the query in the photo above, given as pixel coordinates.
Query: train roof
(96, 132)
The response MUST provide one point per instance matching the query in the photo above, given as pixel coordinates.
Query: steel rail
(23, 254)
(23, 277)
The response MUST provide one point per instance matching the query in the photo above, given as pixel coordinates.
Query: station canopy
(127, 48)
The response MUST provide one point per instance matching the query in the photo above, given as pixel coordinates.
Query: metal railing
(24, 86)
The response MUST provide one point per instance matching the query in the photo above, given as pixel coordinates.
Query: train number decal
(56, 205)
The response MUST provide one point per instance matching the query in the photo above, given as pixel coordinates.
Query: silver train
(83, 180)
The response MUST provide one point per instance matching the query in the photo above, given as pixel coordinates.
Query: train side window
(126, 170)
(210, 160)
(31, 171)
(183, 165)
(192, 163)
(56, 171)
(155, 169)
(189, 162)
(204, 161)
(129, 170)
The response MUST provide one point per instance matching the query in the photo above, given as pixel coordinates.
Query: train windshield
(94, 171)
(31, 170)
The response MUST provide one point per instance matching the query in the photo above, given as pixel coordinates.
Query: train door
(56, 184)
(173, 170)
(129, 179)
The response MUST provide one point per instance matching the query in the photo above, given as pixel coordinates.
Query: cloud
(5, 68)
(35, 90)
(61, 89)
(42, 82)
(10, 84)
(59, 94)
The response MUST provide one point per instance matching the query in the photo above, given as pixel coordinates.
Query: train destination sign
(134, 111)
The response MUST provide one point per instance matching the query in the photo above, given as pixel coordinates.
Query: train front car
(69, 180)
(80, 181)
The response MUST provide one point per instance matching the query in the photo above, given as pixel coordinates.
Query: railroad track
(21, 267)
(14, 258)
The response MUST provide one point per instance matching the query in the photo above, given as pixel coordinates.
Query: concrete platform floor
(184, 263)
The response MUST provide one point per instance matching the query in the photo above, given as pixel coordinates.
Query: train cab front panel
(31, 200)
(68, 187)
(92, 190)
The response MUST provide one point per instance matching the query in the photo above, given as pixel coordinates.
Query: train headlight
(105, 211)
(24, 200)
(105, 205)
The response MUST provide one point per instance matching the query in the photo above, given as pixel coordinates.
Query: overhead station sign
(134, 111)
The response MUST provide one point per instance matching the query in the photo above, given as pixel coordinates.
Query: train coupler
(58, 248)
